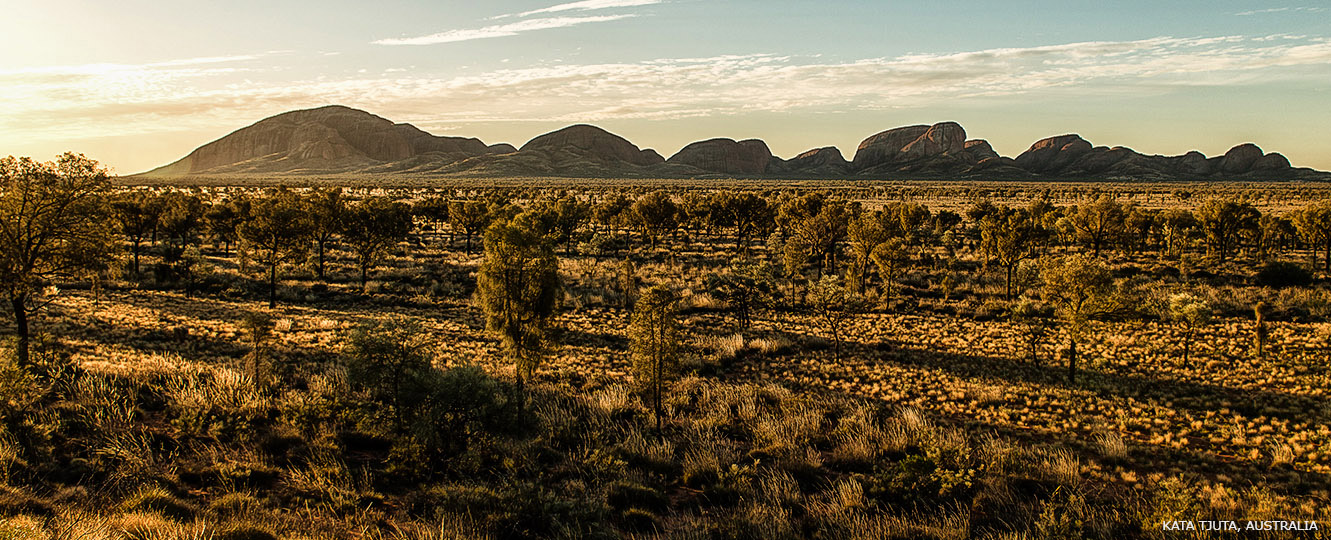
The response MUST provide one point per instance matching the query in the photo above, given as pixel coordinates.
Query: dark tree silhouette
(55, 224)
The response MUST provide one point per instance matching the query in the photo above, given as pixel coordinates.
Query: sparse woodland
(555, 359)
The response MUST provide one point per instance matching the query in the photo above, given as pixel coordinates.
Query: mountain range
(337, 140)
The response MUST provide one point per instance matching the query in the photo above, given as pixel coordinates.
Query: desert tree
(222, 220)
(655, 215)
(1191, 313)
(371, 228)
(1033, 319)
(258, 329)
(1138, 229)
(695, 210)
(182, 217)
(890, 257)
(1314, 225)
(327, 210)
(611, 212)
(392, 360)
(470, 217)
(654, 341)
(835, 304)
(1007, 238)
(570, 214)
(864, 233)
(907, 220)
(1099, 223)
(277, 233)
(1223, 221)
(1080, 288)
(816, 227)
(744, 287)
(1272, 235)
(433, 211)
(517, 289)
(137, 217)
(55, 224)
(748, 213)
(1176, 225)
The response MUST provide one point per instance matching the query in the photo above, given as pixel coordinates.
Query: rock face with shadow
(725, 156)
(337, 140)
(330, 139)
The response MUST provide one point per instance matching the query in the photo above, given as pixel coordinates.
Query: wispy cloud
(85, 102)
(584, 5)
(1279, 10)
(500, 30)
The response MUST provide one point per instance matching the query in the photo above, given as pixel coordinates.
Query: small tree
(392, 360)
(835, 304)
(258, 329)
(1191, 313)
(654, 336)
(890, 257)
(749, 214)
(1008, 238)
(182, 217)
(566, 214)
(276, 233)
(327, 210)
(372, 227)
(137, 216)
(54, 224)
(1034, 321)
(1222, 221)
(864, 233)
(470, 217)
(745, 287)
(222, 221)
(1314, 225)
(517, 288)
(1081, 288)
(1099, 223)
(816, 226)
(434, 211)
(655, 215)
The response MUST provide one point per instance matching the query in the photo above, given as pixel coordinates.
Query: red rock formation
(593, 143)
(725, 156)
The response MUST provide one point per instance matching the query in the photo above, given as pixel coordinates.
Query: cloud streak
(81, 101)
(500, 30)
(584, 5)
(1279, 10)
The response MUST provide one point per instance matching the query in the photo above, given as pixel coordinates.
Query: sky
(136, 84)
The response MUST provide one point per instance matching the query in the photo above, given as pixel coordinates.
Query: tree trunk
(657, 386)
(364, 272)
(1072, 362)
(321, 260)
(1187, 348)
(19, 303)
(1008, 284)
(272, 286)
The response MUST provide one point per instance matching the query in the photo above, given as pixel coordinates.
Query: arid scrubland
(880, 362)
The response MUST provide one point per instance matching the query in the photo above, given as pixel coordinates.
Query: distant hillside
(335, 140)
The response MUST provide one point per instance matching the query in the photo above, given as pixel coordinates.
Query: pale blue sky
(136, 84)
